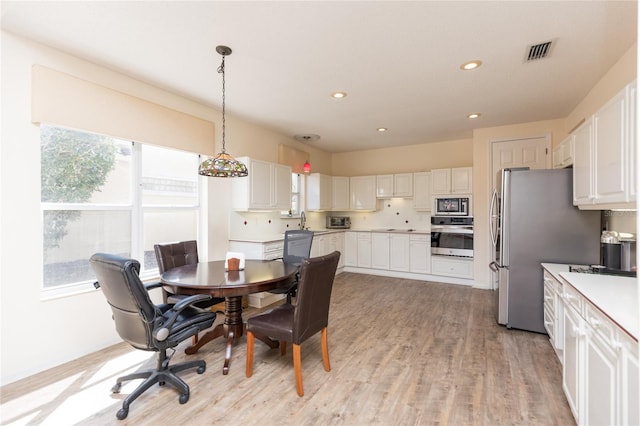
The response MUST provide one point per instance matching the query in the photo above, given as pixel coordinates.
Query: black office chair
(297, 246)
(296, 323)
(147, 326)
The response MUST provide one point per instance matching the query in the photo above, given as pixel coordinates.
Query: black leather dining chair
(147, 326)
(297, 246)
(296, 323)
(172, 255)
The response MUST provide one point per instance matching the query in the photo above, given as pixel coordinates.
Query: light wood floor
(402, 352)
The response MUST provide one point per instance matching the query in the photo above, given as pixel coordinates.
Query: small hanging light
(223, 164)
(306, 167)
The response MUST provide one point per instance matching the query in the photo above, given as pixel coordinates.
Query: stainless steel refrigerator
(533, 222)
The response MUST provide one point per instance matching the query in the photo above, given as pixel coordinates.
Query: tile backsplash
(395, 213)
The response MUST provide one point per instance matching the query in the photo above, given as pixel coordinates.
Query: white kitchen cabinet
(610, 151)
(600, 365)
(268, 187)
(324, 244)
(384, 186)
(420, 253)
(451, 266)
(340, 193)
(422, 191)
(563, 154)
(604, 169)
(572, 358)
(582, 183)
(399, 252)
(262, 251)
(362, 190)
(351, 248)
(319, 192)
(553, 312)
(380, 250)
(440, 181)
(630, 395)
(364, 250)
(398, 185)
(457, 180)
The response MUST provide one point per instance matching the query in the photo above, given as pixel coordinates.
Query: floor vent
(538, 51)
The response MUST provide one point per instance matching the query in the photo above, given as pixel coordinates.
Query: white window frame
(137, 210)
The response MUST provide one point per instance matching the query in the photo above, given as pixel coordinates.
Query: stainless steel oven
(452, 236)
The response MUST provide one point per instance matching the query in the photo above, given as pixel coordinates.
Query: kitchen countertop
(280, 237)
(615, 296)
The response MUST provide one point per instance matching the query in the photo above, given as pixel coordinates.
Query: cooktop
(598, 269)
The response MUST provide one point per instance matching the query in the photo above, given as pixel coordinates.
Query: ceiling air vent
(538, 51)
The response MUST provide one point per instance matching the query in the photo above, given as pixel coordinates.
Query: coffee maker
(616, 252)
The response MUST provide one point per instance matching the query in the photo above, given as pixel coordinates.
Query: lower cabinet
(380, 250)
(264, 251)
(399, 256)
(600, 365)
(420, 254)
(553, 312)
(452, 266)
(328, 243)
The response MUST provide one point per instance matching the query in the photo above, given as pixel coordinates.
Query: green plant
(74, 165)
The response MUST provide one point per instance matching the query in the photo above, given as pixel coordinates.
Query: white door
(528, 152)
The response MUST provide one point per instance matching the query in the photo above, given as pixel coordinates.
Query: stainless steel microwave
(451, 206)
(338, 222)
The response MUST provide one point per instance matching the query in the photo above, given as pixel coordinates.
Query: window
(102, 194)
(297, 195)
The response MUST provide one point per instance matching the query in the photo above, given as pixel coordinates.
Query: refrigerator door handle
(493, 218)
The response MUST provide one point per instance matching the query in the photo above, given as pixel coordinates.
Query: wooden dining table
(212, 278)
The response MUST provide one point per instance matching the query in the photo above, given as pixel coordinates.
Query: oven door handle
(452, 230)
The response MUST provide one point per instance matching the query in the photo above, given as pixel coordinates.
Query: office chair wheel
(116, 388)
(161, 383)
(184, 398)
(202, 369)
(122, 414)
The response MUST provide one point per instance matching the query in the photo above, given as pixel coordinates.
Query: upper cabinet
(398, 185)
(319, 192)
(362, 191)
(340, 193)
(604, 168)
(452, 181)
(268, 187)
(563, 153)
(422, 191)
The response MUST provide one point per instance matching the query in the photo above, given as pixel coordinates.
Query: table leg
(232, 328)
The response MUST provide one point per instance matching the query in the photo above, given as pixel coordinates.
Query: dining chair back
(296, 323)
(297, 246)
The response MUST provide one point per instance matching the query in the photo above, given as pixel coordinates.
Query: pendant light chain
(223, 164)
(221, 71)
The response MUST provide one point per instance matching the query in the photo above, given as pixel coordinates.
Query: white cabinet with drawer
(452, 266)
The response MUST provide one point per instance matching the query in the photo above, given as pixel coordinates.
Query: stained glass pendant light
(223, 164)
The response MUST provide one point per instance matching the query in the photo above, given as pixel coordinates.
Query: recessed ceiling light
(473, 115)
(338, 95)
(382, 129)
(471, 65)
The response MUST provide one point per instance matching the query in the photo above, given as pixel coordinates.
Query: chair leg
(250, 344)
(297, 368)
(283, 347)
(325, 350)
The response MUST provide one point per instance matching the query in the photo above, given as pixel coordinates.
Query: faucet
(303, 220)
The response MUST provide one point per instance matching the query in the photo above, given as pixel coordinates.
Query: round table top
(211, 278)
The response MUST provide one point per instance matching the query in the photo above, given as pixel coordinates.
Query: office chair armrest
(163, 330)
(188, 301)
(151, 286)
